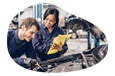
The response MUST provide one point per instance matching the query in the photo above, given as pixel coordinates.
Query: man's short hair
(28, 22)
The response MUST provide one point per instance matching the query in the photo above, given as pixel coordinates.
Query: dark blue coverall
(43, 40)
(17, 48)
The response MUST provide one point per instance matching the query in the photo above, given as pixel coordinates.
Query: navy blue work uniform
(17, 48)
(43, 40)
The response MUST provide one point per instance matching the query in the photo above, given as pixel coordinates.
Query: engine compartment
(73, 62)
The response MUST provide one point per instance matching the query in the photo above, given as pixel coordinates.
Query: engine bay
(73, 62)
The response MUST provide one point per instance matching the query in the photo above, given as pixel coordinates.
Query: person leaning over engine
(19, 42)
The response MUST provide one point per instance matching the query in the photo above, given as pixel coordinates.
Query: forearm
(25, 62)
(17, 61)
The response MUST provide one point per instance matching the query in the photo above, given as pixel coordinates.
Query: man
(19, 42)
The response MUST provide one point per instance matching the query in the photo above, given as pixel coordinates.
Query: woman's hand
(54, 39)
(57, 47)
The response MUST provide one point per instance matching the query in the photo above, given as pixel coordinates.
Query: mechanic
(46, 36)
(19, 42)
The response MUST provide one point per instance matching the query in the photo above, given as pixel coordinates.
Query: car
(78, 34)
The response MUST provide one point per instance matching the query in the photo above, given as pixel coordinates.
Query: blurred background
(80, 40)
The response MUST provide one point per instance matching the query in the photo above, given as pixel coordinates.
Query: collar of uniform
(16, 37)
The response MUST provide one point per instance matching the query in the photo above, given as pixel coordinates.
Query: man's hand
(57, 47)
(29, 62)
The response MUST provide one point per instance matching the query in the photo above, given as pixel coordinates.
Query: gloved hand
(29, 62)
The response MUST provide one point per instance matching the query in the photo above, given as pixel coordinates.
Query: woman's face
(50, 20)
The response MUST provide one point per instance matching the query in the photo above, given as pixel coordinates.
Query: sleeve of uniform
(8, 37)
(65, 47)
(15, 61)
(30, 53)
(40, 47)
(18, 61)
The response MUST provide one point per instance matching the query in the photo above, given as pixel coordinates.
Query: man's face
(30, 33)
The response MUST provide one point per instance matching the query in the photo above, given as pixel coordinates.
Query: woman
(46, 36)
